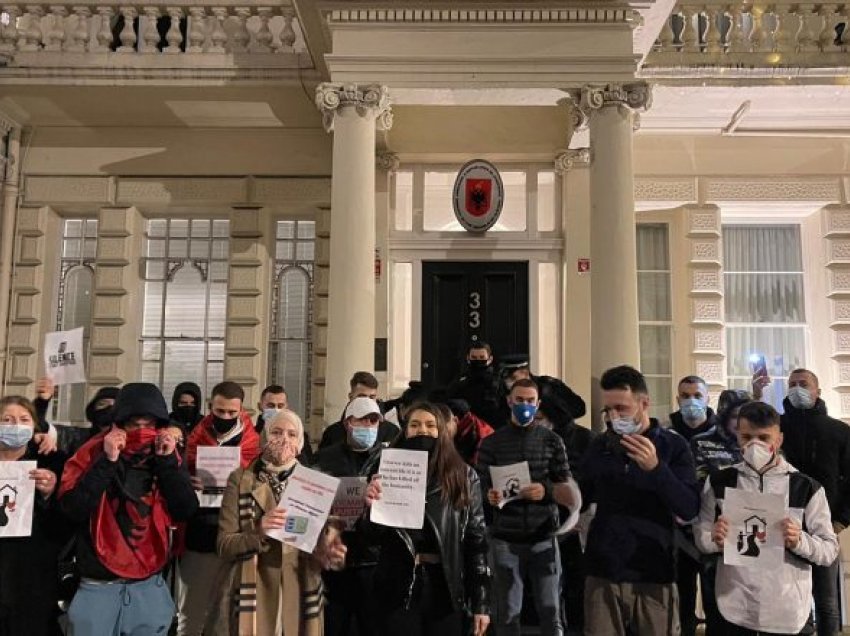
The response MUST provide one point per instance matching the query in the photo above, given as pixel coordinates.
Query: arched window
(290, 355)
(75, 300)
(185, 273)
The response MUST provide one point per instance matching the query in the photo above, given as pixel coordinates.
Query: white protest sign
(404, 478)
(17, 497)
(509, 480)
(63, 357)
(755, 529)
(350, 500)
(307, 500)
(213, 467)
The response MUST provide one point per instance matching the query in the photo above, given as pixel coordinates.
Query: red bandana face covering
(129, 530)
(139, 441)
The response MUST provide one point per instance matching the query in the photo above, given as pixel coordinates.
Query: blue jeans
(825, 592)
(119, 608)
(540, 564)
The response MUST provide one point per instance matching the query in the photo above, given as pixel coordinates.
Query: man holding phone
(641, 477)
(818, 446)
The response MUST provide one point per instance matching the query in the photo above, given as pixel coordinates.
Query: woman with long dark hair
(428, 580)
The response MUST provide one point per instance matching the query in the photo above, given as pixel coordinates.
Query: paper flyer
(17, 498)
(404, 478)
(213, 467)
(755, 529)
(307, 500)
(509, 480)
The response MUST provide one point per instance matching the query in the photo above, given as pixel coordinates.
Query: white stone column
(573, 167)
(350, 111)
(613, 246)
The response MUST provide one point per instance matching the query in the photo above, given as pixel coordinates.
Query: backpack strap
(720, 481)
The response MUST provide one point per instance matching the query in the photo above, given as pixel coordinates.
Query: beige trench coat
(277, 585)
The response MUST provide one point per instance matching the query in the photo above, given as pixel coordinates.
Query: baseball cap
(360, 407)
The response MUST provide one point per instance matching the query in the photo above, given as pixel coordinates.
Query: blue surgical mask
(524, 413)
(364, 437)
(693, 409)
(15, 435)
(268, 414)
(800, 398)
(625, 426)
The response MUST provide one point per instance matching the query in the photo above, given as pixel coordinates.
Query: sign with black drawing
(63, 357)
(17, 496)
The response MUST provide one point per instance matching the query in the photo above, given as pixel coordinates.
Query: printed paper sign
(509, 480)
(755, 529)
(63, 357)
(350, 500)
(307, 500)
(17, 497)
(213, 466)
(404, 478)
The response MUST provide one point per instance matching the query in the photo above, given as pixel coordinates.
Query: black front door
(467, 301)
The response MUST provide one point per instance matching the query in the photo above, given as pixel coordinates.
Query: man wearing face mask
(818, 446)
(755, 600)
(694, 415)
(186, 406)
(273, 400)
(523, 530)
(204, 577)
(351, 605)
(477, 387)
(641, 477)
(124, 489)
(693, 418)
(362, 384)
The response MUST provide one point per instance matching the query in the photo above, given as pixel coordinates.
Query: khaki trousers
(630, 609)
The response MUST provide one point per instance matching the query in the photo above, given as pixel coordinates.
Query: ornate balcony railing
(778, 38)
(39, 39)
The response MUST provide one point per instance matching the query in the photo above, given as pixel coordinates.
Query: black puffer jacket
(463, 552)
(819, 446)
(523, 521)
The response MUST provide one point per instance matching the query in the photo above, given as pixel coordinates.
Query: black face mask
(102, 418)
(222, 425)
(186, 413)
(477, 366)
(420, 443)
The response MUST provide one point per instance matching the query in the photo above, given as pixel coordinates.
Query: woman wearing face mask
(278, 588)
(426, 579)
(28, 579)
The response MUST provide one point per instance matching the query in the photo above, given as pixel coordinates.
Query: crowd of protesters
(614, 533)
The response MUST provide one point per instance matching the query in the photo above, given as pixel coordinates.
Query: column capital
(579, 117)
(634, 96)
(566, 160)
(387, 161)
(368, 100)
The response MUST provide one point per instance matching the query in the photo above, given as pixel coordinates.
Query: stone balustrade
(97, 33)
(741, 35)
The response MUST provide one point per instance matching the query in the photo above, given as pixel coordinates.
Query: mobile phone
(759, 364)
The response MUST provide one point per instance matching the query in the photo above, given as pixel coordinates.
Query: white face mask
(800, 398)
(759, 455)
(268, 414)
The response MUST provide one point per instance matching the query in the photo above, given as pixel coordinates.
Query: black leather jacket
(463, 551)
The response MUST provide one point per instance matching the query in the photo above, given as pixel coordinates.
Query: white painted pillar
(350, 112)
(613, 246)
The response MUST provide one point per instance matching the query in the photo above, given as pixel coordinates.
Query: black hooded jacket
(819, 446)
(195, 391)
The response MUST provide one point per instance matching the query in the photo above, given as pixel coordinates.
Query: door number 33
(474, 306)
